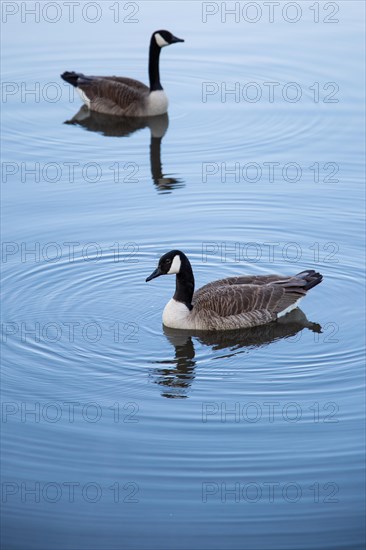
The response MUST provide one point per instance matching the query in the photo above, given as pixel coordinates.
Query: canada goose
(235, 302)
(123, 96)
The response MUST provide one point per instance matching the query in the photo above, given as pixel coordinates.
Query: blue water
(118, 433)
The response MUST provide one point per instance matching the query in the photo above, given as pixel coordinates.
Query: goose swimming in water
(122, 96)
(232, 303)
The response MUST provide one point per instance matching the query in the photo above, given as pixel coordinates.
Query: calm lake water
(118, 433)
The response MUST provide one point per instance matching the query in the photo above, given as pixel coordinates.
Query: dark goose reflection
(113, 126)
(176, 380)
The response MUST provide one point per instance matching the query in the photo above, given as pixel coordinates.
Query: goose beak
(154, 274)
(174, 39)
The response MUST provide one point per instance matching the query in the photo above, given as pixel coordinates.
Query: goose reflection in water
(112, 126)
(178, 374)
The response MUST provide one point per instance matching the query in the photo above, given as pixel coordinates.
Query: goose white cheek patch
(175, 267)
(160, 40)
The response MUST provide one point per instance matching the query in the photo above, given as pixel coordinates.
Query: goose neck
(154, 74)
(184, 286)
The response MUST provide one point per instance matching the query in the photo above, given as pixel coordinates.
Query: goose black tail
(71, 77)
(311, 278)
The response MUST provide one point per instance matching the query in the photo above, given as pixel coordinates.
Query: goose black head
(165, 38)
(169, 264)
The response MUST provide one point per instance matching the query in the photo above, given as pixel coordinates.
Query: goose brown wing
(241, 280)
(106, 94)
(128, 82)
(239, 299)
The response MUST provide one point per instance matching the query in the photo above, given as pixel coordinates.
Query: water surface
(131, 435)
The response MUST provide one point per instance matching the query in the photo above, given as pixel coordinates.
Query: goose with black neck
(231, 303)
(122, 96)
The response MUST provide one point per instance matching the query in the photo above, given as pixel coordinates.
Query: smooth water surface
(118, 433)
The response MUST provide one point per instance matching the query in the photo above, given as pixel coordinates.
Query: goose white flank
(122, 96)
(232, 303)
